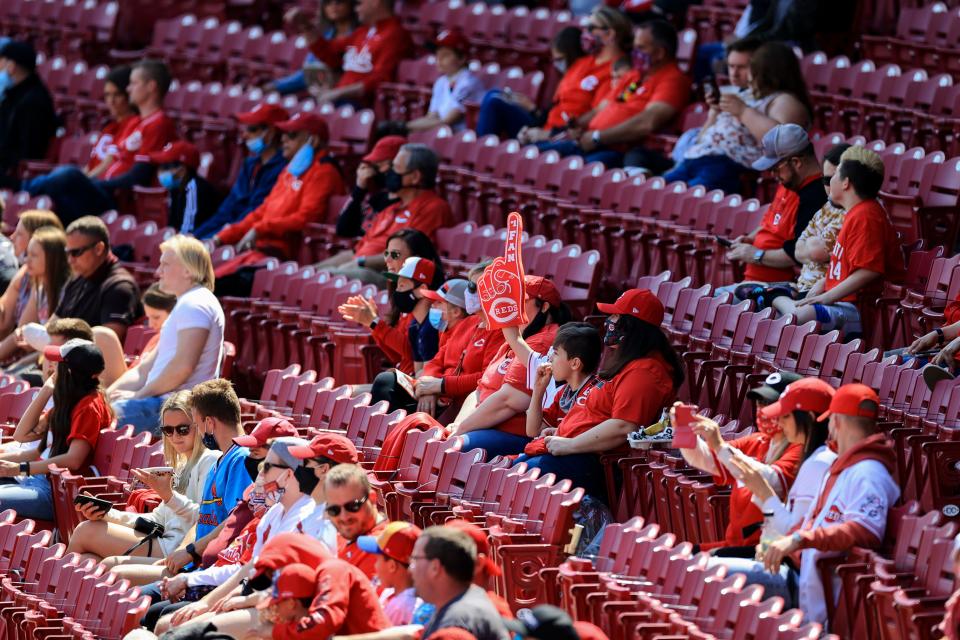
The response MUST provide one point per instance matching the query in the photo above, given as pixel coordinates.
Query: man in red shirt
(366, 57)
(412, 179)
(768, 251)
(76, 195)
(352, 507)
(867, 251)
(642, 103)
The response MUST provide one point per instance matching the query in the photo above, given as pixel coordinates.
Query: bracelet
(25, 468)
(940, 337)
(374, 323)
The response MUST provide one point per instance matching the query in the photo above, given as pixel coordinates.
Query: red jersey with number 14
(867, 240)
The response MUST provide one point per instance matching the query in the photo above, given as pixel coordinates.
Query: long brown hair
(774, 68)
(67, 392)
(53, 242)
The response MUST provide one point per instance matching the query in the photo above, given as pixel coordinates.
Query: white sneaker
(640, 440)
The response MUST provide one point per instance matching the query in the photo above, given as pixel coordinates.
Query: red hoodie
(464, 353)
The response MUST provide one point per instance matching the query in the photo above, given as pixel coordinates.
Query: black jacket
(28, 122)
(193, 205)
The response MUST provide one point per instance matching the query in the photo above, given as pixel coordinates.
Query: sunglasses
(179, 429)
(471, 286)
(353, 506)
(392, 254)
(826, 180)
(79, 251)
(266, 466)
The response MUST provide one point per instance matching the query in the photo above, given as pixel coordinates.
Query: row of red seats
(927, 37)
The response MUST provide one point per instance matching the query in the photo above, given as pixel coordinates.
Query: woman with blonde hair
(115, 533)
(14, 300)
(190, 348)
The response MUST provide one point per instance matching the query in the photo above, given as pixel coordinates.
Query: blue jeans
(74, 194)
(583, 469)
(713, 172)
(30, 497)
(783, 584)
(142, 413)
(609, 157)
(494, 442)
(501, 116)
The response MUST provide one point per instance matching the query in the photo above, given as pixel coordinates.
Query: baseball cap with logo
(386, 148)
(639, 303)
(782, 142)
(808, 394)
(263, 113)
(309, 122)
(266, 430)
(452, 39)
(395, 541)
(452, 291)
(420, 270)
(850, 399)
(178, 151)
(544, 622)
(542, 289)
(82, 357)
(332, 446)
(295, 580)
(771, 389)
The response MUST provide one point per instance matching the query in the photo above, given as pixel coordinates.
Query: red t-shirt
(369, 55)
(668, 84)
(777, 226)
(140, 138)
(867, 240)
(350, 552)
(106, 143)
(743, 512)
(395, 342)
(578, 90)
(426, 213)
(345, 603)
(463, 354)
(89, 417)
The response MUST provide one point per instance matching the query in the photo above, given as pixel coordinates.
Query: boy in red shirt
(867, 251)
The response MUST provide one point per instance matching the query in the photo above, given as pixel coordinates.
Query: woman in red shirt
(585, 61)
(104, 151)
(66, 435)
(639, 378)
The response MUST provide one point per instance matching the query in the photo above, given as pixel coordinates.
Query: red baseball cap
(849, 399)
(542, 289)
(809, 394)
(452, 39)
(420, 270)
(639, 303)
(480, 539)
(395, 541)
(328, 445)
(263, 113)
(309, 122)
(178, 151)
(385, 149)
(295, 580)
(267, 429)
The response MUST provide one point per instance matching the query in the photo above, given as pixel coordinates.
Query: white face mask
(560, 65)
(472, 301)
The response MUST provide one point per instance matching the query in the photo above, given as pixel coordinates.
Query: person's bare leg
(339, 260)
(163, 624)
(784, 305)
(140, 574)
(113, 356)
(243, 624)
(99, 539)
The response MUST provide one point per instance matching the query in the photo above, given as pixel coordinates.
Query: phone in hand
(99, 503)
(684, 416)
(710, 89)
(159, 472)
(724, 242)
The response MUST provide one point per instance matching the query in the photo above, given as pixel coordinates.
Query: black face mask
(307, 479)
(210, 442)
(252, 466)
(393, 181)
(376, 182)
(404, 301)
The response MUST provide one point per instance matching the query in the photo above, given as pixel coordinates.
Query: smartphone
(724, 242)
(684, 417)
(710, 89)
(160, 472)
(100, 503)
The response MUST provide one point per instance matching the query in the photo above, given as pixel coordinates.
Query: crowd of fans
(266, 534)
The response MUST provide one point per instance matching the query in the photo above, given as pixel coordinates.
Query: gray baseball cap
(781, 142)
(281, 448)
(452, 291)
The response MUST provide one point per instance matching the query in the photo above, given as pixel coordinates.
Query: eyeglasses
(597, 27)
(179, 429)
(826, 180)
(79, 251)
(395, 255)
(266, 466)
(353, 506)
(471, 286)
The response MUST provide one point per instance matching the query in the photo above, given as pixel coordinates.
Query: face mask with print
(404, 301)
(472, 301)
(768, 426)
(612, 337)
(257, 145)
(641, 60)
(436, 319)
(589, 42)
(168, 181)
(273, 493)
(258, 502)
(560, 65)
(301, 160)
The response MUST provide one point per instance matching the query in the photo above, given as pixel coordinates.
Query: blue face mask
(257, 145)
(6, 81)
(436, 319)
(167, 180)
(301, 161)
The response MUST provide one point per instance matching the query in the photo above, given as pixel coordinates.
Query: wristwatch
(192, 550)
(24, 468)
(758, 256)
(362, 261)
(595, 136)
(940, 337)
(373, 325)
